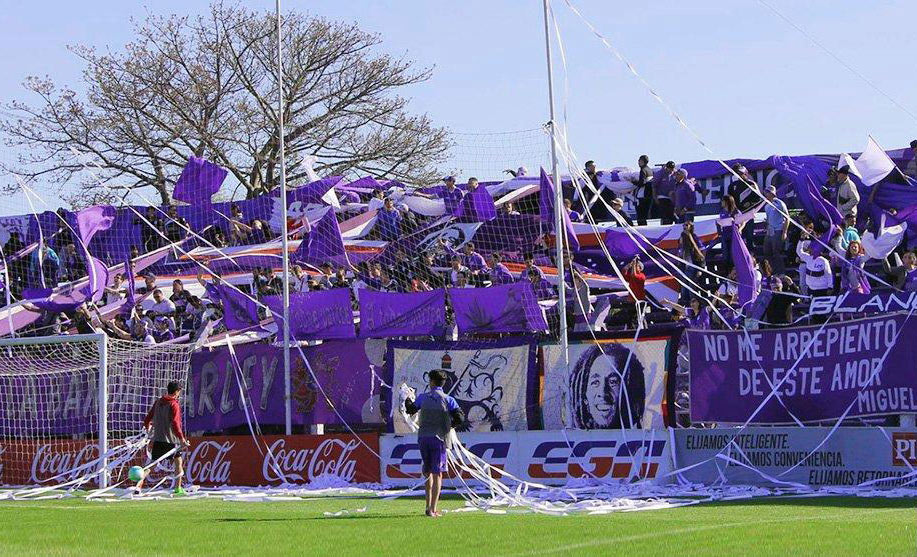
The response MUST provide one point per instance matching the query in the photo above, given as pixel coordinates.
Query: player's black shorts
(160, 448)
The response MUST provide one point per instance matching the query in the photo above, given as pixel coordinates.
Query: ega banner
(547, 457)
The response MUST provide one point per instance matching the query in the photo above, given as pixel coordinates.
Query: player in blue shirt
(439, 413)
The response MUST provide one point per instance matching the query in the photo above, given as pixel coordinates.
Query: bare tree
(206, 86)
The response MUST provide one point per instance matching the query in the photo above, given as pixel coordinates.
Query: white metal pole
(103, 410)
(558, 199)
(284, 233)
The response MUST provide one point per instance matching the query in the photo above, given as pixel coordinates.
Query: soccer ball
(136, 473)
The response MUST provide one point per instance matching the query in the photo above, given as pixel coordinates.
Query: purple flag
(546, 195)
(199, 180)
(130, 300)
(745, 271)
(320, 315)
(510, 308)
(239, 311)
(313, 192)
(322, 243)
(98, 279)
(387, 314)
(45, 299)
(807, 174)
(508, 233)
(476, 206)
(94, 219)
(621, 245)
(341, 367)
(366, 184)
(89, 222)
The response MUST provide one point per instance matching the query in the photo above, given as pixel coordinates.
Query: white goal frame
(101, 340)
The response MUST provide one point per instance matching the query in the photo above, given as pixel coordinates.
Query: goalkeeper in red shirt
(168, 439)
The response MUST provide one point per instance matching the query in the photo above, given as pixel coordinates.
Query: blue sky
(747, 82)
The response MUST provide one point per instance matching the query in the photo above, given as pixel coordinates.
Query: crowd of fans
(789, 264)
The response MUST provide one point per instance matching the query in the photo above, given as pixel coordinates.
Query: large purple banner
(212, 395)
(320, 315)
(509, 308)
(854, 368)
(343, 369)
(386, 314)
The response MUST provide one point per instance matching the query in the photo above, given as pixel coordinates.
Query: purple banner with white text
(853, 368)
(343, 369)
(385, 314)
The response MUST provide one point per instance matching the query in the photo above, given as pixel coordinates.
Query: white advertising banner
(546, 457)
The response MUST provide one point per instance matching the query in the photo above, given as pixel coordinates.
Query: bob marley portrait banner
(611, 384)
(494, 382)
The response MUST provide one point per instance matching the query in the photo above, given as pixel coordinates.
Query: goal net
(70, 404)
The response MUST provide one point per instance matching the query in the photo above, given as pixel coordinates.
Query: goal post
(66, 402)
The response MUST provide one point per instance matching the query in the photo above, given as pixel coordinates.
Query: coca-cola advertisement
(35, 462)
(210, 461)
(276, 459)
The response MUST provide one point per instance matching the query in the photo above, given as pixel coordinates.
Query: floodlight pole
(287, 386)
(558, 200)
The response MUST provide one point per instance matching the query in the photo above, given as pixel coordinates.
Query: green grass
(788, 526)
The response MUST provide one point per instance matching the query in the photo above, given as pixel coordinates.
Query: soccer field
(787, 526)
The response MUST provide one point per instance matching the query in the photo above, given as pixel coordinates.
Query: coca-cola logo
(47, 463)
(208, 464)
(332, 457)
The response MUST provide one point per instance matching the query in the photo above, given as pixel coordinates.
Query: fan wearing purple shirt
(389, 221)
(663, 190)
(439, 413)
(499, 274)
(451, 195)
(685, 199)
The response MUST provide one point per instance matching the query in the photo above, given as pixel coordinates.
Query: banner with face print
(611, 384)
(494, 382)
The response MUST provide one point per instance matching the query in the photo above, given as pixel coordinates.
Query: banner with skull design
(494, 382)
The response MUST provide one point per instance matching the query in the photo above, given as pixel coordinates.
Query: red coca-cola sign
(208, 462)
(294, 459)
(211, 461)
(50, 462)
(56, 463)
(332, 457)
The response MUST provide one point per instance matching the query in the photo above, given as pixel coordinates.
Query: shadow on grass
(361, 516)
(838, 501)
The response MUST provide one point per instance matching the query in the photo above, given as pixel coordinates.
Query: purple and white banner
(387, 314)
(495, 382)
(876, 302)
(508, 308)
(213, 400)
(855, 368)
(318, 315)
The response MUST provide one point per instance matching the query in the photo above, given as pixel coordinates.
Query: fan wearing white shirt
(456, 270)
(113, 292)
(729, 288)
(162, 306)
(804, 242)
(377, 201)
(818, 278)
(300, 281)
